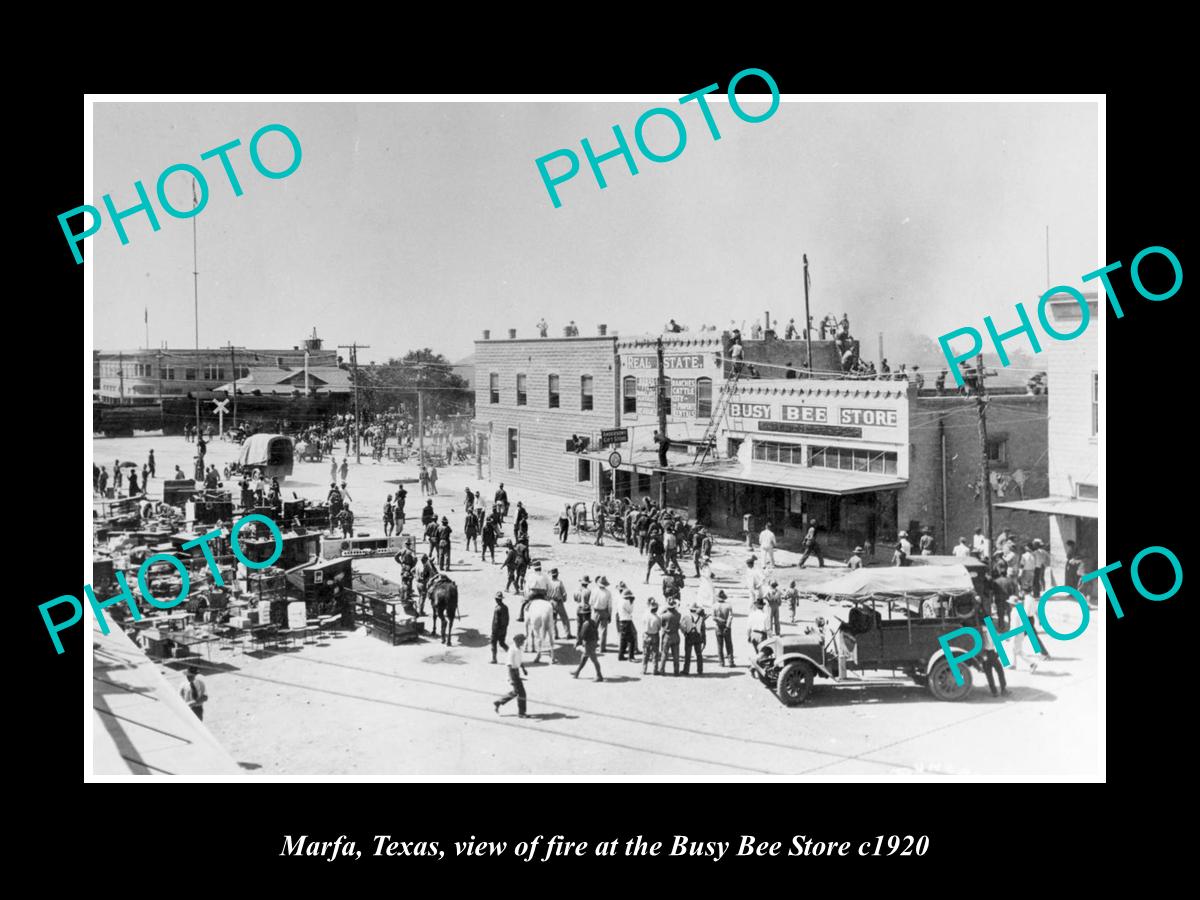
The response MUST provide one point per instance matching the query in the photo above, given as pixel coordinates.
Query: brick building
(1071, 511)
(532, 395)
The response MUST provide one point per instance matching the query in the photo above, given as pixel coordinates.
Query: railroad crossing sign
(220, 407)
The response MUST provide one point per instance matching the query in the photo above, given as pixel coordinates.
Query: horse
(443, 597)
(539, 628)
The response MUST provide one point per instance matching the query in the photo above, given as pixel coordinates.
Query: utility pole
(662, 423)
(420, 426)
(196, 294)
(233, 365)
(353, 348)
(807, 319)
(162, 416)
(985, 465)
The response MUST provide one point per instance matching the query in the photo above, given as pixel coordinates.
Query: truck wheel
(795, 683)
(942, 684)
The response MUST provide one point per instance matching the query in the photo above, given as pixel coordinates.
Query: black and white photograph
(726, 436)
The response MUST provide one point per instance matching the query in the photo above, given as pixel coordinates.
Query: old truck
(883, 619)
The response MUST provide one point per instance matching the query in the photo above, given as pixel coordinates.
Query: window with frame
(586, 399)
(998, 451)
(1087, 491)
(553, 386)
(1095, 403)
(878, 462)
(585, 470)
(167, 373)
(493, 388)
(214, 373)
(629, 393)
(189, 374)
(778, 452)
(703, 398)
(522, 394)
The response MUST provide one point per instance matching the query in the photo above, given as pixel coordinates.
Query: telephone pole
(353, 348)
(985, 464)
(662, 423)
(807, 319)
(196, 294)
(233, 365)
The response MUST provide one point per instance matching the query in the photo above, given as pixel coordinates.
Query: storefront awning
(815, 479)
(1057, 506)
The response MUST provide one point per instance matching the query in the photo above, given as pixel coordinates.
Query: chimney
(512, 333)
(603, 329)
(487, 335)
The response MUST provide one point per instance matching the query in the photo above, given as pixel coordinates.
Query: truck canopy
(898, 580)
(256, 451)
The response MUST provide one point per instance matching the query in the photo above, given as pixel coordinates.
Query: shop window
(494, 388)
(629, 392)
(553, 391)
(522, 394)
(643, 482)
(1095, 403)
(703, 398)
(585, 393)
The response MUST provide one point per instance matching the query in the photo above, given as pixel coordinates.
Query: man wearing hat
(670, 638)
(774, 598)
(582, 599)
(625, 627)
(723, 623)
(541, 587)
(586, 642)
(557, 595)
(811, 547)
(1041, 558)
(758, 623)
(691, 624)
(516, 665)
(855, 560)
(194, 692)
(425, 571)
(925, 543)
(499, 625)
(443, 544)
(511, 565)
(754, 580)
(652, 634)
(602, 608)
(654, 554)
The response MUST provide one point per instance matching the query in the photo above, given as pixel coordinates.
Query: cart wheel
(795, 683)
(942, 684)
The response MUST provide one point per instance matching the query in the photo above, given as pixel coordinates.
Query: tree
(395, 384)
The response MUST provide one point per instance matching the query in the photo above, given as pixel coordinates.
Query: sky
(417, 224)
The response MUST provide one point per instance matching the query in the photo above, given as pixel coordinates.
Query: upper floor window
(704, 398)
(553, 391)
(522, 393)
(494, 388)
(585, 393)
(629, 393)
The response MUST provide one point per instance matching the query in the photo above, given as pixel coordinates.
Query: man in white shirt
(516, 665)
(754, 580)
(756, 633)
(905, 543)
(962, 549)
(980, 545)
(194, 692)
(766, 542)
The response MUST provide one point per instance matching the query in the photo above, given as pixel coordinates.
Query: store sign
(800, 428)
(750, 410)
(670, 362)
(806, 413)
(611, 436)
(885, 418)
(683, 397)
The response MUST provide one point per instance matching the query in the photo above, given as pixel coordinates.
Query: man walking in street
(582, 599)
(489, 539)
(811, 546)
(655, 555)
(499, 624)
(516, 666)
(701, 547)
(766, 543)
(774, 599)
(758, 625)
(586, 642)
(511, 565)
(723, 624)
